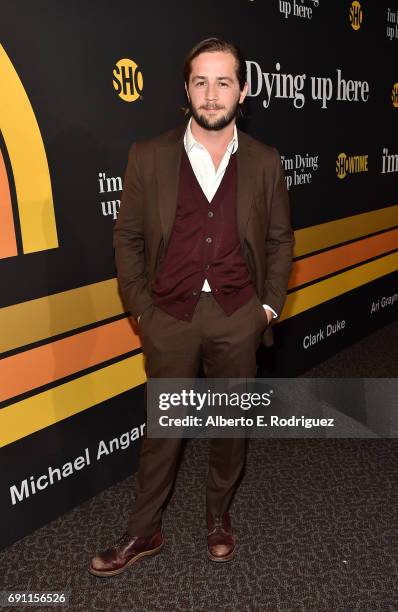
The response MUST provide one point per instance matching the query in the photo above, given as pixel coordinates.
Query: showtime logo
(356, 15)
(394, 95)
(128, 81)
(351, 164)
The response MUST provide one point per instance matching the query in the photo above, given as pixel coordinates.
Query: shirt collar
(190, 142)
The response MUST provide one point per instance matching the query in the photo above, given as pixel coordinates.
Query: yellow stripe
(47, 408)
(29, 162)
(39, 319)
(36, 320)
(325, 290)
(325, 235)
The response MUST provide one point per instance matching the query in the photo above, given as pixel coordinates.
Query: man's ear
(243, 93)
(186, 91)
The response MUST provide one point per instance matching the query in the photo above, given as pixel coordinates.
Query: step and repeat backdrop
(79, 83)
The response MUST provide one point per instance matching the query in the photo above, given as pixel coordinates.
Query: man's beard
(218, 124)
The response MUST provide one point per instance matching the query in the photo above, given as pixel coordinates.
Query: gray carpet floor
(316, 524)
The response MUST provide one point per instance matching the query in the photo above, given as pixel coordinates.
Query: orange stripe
(8, 243)
(45, 364)
(317, 266)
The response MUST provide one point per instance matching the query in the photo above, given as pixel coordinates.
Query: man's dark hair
(209, 45)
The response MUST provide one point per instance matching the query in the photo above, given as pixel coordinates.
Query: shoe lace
(217, 524)
(218, 521)
(124, 539)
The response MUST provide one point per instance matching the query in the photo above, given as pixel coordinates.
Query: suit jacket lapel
(168, 161)
(246, 181)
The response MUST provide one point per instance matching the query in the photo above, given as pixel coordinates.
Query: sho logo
(394, 95)
(356, 15)
(128, 81)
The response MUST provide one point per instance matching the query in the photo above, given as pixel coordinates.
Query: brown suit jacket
(148, 208)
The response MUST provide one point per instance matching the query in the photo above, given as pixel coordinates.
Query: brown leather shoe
(125, 552)
(220, 539)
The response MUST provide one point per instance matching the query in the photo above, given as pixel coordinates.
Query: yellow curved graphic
(28, 159)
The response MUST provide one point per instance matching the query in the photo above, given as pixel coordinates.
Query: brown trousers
(226, 347)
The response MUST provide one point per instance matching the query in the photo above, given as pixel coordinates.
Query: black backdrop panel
(65, 54)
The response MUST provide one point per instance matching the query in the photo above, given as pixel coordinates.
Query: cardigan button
(210, 214)
(209, 240)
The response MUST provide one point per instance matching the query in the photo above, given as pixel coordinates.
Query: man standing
(203, 247)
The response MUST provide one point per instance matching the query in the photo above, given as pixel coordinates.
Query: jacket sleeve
(129, 240)
(279, 242)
